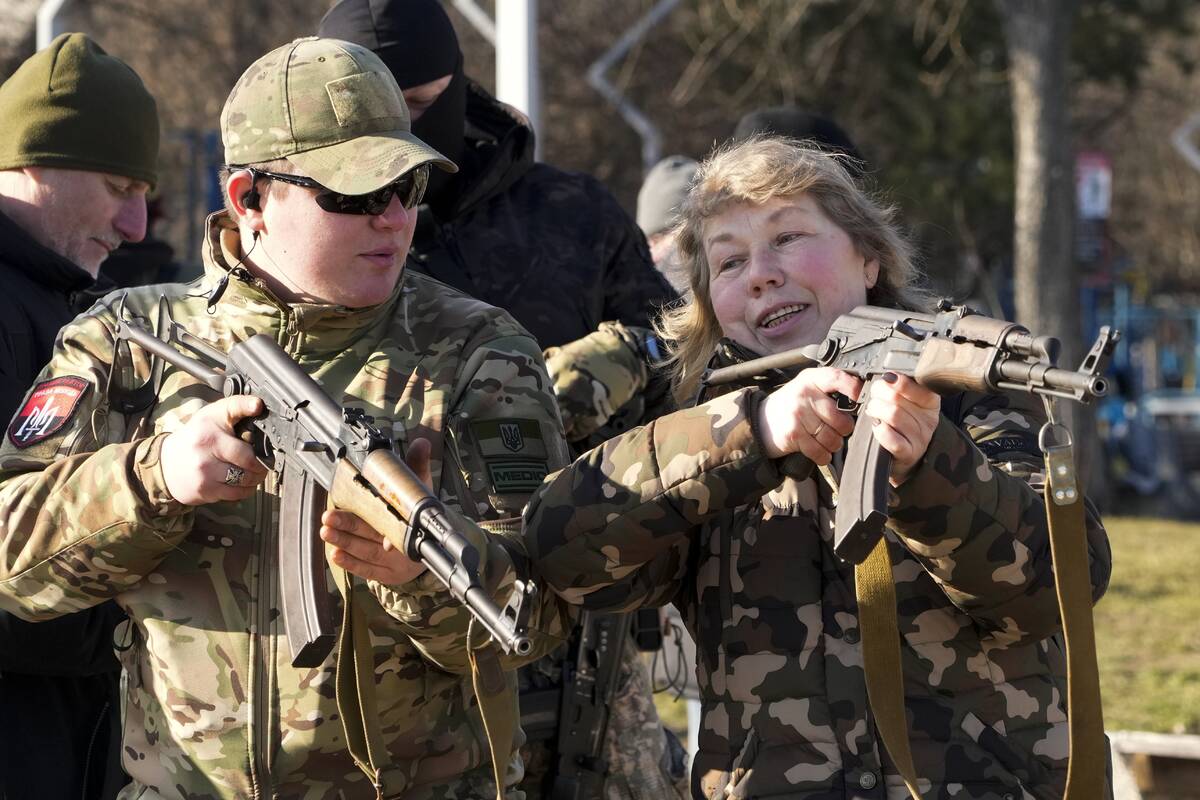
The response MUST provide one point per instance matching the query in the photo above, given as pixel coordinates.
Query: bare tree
(1046, 282)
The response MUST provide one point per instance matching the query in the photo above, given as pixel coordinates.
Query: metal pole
(49, 22)
(517, 57)
(651, 138)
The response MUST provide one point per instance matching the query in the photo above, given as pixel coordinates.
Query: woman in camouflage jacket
(698, 509)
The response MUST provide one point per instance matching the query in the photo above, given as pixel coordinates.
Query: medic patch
(514, 453)
(517, 476)
(48, 408)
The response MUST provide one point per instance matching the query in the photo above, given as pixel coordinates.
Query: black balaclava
(791, 121)
(417, 42)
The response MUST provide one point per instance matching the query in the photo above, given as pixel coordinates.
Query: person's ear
(242, 191)
(871, 273)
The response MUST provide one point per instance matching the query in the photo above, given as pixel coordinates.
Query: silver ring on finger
(233, 475)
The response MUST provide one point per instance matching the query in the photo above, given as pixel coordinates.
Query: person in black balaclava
(555, 250)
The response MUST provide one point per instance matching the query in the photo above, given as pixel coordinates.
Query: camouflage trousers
(645, 761)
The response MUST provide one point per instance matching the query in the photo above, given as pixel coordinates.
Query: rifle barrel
(1060, 380)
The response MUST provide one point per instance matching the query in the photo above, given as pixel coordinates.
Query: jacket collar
(500, 147)
(320, 328)
(39, 263)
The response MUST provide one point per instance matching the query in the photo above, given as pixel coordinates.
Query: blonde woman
(698, 509)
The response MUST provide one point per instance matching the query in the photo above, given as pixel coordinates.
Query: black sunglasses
(410, 187)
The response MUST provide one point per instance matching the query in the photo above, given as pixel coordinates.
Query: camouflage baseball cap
(331, 108)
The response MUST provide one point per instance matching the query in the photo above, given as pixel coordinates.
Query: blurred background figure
(799, 124)
(658, 201)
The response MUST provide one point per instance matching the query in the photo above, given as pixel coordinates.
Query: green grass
(673, 713)
(1148, 627)
(1147, 630)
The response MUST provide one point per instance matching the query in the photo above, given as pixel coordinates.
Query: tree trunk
(1038, 34)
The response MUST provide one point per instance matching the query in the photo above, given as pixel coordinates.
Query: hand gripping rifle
(325, 451)
(954, 350)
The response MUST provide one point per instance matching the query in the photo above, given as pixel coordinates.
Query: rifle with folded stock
(324, 451)
(953, 350)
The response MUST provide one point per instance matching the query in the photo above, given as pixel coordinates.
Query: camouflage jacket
(688, 509)
(214, 707)
(553, 248)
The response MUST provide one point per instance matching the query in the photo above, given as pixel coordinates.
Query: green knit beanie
(73, 106)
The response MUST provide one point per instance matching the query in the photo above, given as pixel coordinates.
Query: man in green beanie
(78, 152)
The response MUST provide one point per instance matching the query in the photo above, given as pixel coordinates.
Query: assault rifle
(325, 451)
(589, 685)
(953, 350)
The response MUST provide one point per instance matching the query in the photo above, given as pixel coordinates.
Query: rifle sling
(876, 592)
(355, 692)
(1072, 579)
(496, 694)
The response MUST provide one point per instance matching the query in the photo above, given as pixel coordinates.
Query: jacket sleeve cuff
(147, 469)
(946, 491)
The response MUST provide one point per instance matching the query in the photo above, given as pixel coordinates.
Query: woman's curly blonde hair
(755, 171)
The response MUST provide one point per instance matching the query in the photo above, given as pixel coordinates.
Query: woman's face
(782, 272)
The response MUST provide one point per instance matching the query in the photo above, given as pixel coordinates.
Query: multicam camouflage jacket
(214, 707)
(688, 509)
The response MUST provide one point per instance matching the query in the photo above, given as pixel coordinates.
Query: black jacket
(553, 248)
(58, 679)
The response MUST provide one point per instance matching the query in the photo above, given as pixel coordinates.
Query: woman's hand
(801, 416)
(905, 415)
(363, 551)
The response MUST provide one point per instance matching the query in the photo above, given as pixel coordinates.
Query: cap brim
(367, 163)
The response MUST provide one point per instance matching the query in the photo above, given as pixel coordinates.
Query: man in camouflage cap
(78, 152)
(163, 507)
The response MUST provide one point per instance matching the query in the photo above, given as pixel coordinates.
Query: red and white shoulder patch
(48, 408)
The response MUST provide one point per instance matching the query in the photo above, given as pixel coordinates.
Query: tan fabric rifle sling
(875, 589)
(1072, 578)
(355, 691)
(354, 686)
(497, 700)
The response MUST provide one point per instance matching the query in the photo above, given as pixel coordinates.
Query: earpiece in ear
(252, 200)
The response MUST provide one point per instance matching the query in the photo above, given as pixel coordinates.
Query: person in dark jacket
(78, 153)
(555, 250)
